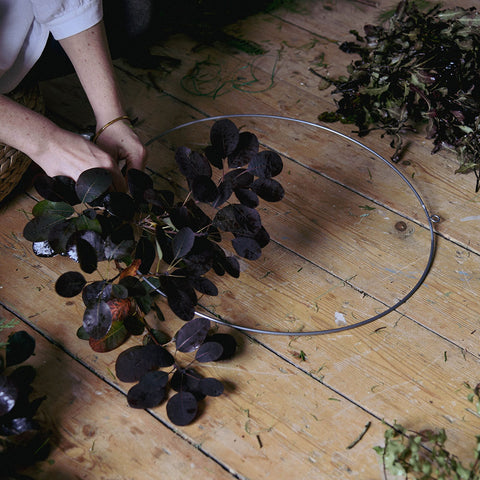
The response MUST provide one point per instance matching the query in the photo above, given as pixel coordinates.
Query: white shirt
(25, 26)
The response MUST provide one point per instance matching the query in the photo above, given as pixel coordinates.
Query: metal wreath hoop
(431, 219)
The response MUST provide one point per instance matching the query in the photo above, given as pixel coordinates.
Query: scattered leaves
(419, 67)
(423, 455)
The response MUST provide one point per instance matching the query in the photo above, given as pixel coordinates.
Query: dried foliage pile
(418, 67)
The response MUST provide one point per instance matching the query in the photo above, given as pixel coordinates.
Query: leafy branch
(423, 455)
(22, 439)
(152, 242)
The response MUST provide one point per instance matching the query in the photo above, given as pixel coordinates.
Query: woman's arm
(89, 54)
(60, 152)
(57, 151)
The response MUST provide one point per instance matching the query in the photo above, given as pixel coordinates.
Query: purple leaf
(232, 267)
(247, 197)
(8, 395)
(247, 248)
(204, 189)
(183, 242)
(149, 392)
(211, 387)
(205, 286)
(182, 408)
(92, 183)
(227, 341)
(138, 182)
(209, 352)
(192, 164)
(266, 164)
(70, 284)
(246, 149)
(97, 319)
(192, 335)
(268, 189)
(146, 252)
(224, 136)
(238, 219)
(135, 362)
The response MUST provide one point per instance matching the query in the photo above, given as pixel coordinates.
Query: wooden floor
(350, 240)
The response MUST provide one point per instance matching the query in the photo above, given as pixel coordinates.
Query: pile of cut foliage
(420, 66)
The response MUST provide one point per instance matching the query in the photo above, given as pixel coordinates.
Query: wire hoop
(431, 219)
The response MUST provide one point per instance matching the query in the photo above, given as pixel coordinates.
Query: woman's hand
(121, 142)
(69, 154)
(60, 152)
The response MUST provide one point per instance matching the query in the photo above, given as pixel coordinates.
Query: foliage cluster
(419, 67)
(423, 455)
(157, 244)
(22, 440)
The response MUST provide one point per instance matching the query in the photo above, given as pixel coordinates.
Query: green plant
(423, 455)
(155, 244)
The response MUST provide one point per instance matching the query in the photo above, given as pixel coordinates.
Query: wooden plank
(247, 429)
(349, 374)
(94, 433)
(446, 194)
(437, 313)
(403, 371)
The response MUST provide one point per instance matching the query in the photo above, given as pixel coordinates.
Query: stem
(383, 462)
(173, 265)
(473, 475)
(203, 228)
(150, 332)
(187, 198)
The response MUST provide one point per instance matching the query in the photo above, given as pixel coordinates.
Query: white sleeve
(64, 18)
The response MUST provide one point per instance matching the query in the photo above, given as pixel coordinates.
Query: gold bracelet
(111, 122)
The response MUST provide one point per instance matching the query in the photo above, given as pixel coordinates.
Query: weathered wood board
(349, 238)
(93, 433)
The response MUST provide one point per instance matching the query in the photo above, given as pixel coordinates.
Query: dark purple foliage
(156, 244)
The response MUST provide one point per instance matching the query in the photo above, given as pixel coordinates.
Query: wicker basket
(13, 163)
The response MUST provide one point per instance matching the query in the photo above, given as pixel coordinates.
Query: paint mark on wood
(470, 218)
(340, 319)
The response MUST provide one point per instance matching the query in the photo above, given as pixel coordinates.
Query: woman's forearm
(24, 129)
(90, 56)
(57, 151)
(60, 152)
